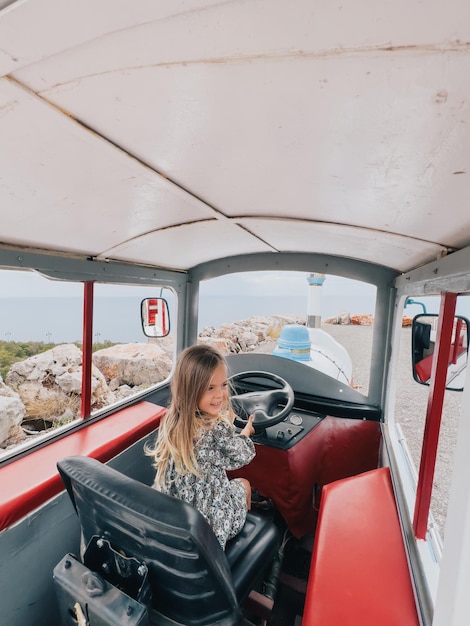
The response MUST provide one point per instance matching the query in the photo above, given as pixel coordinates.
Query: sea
(117, 319)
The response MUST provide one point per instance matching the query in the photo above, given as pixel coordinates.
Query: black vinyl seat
(191, 580)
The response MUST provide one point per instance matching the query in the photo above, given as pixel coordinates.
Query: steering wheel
(261, 404)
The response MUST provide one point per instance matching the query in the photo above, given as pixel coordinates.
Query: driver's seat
(157, 550)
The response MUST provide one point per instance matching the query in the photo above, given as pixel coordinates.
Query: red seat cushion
(359, 571)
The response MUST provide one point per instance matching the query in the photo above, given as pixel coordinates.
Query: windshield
(324, 322)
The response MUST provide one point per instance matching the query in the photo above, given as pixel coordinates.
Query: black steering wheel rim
(261, 403)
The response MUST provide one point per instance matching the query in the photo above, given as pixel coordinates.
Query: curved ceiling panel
(387, 249)
(185, 246)
(171, 133)
(64, 188)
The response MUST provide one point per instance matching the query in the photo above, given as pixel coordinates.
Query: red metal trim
(434, 413)
(87, 348)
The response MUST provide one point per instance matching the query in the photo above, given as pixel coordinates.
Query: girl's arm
(235, 450)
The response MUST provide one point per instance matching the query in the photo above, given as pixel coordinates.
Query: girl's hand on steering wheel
(248, 430)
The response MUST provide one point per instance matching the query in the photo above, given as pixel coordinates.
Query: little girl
(197, 443)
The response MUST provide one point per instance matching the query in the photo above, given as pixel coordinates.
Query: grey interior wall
(31, 548)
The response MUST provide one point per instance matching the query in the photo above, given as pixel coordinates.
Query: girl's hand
(248, 429)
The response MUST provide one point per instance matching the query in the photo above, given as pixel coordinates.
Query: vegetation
(12, 351)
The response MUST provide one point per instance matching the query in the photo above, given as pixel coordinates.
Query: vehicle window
(129, 361)
(41, 325)
(36, 316)
(247, 312)
(411, 406)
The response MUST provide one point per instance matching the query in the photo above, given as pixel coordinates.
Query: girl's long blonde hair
(181, 427)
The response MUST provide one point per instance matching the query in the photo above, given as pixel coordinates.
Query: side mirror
(155, 317)
(423, 344)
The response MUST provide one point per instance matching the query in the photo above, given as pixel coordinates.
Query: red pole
(432, 427)
(87, 342)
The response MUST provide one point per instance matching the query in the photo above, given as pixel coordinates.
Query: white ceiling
(170, 133)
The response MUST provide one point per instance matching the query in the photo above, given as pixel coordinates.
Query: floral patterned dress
(221, 501)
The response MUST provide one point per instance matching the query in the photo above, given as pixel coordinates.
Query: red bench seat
(359, 572)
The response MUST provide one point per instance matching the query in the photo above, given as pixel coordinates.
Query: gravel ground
(410, 408)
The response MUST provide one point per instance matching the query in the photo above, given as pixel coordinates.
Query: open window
(247, 312)
(417, 350)
(42, 351)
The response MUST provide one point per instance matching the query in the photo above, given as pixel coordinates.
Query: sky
(31, 284)
(274, 283)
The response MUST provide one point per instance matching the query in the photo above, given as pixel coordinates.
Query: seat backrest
(189, 575)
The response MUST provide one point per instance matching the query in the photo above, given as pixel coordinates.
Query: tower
(315, 282)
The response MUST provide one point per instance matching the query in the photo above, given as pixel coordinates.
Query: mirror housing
(423, 344)
(155, 317)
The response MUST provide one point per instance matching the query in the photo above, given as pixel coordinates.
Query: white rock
(49, 383)
(247, 335)
(12, 411)
(133, 364)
